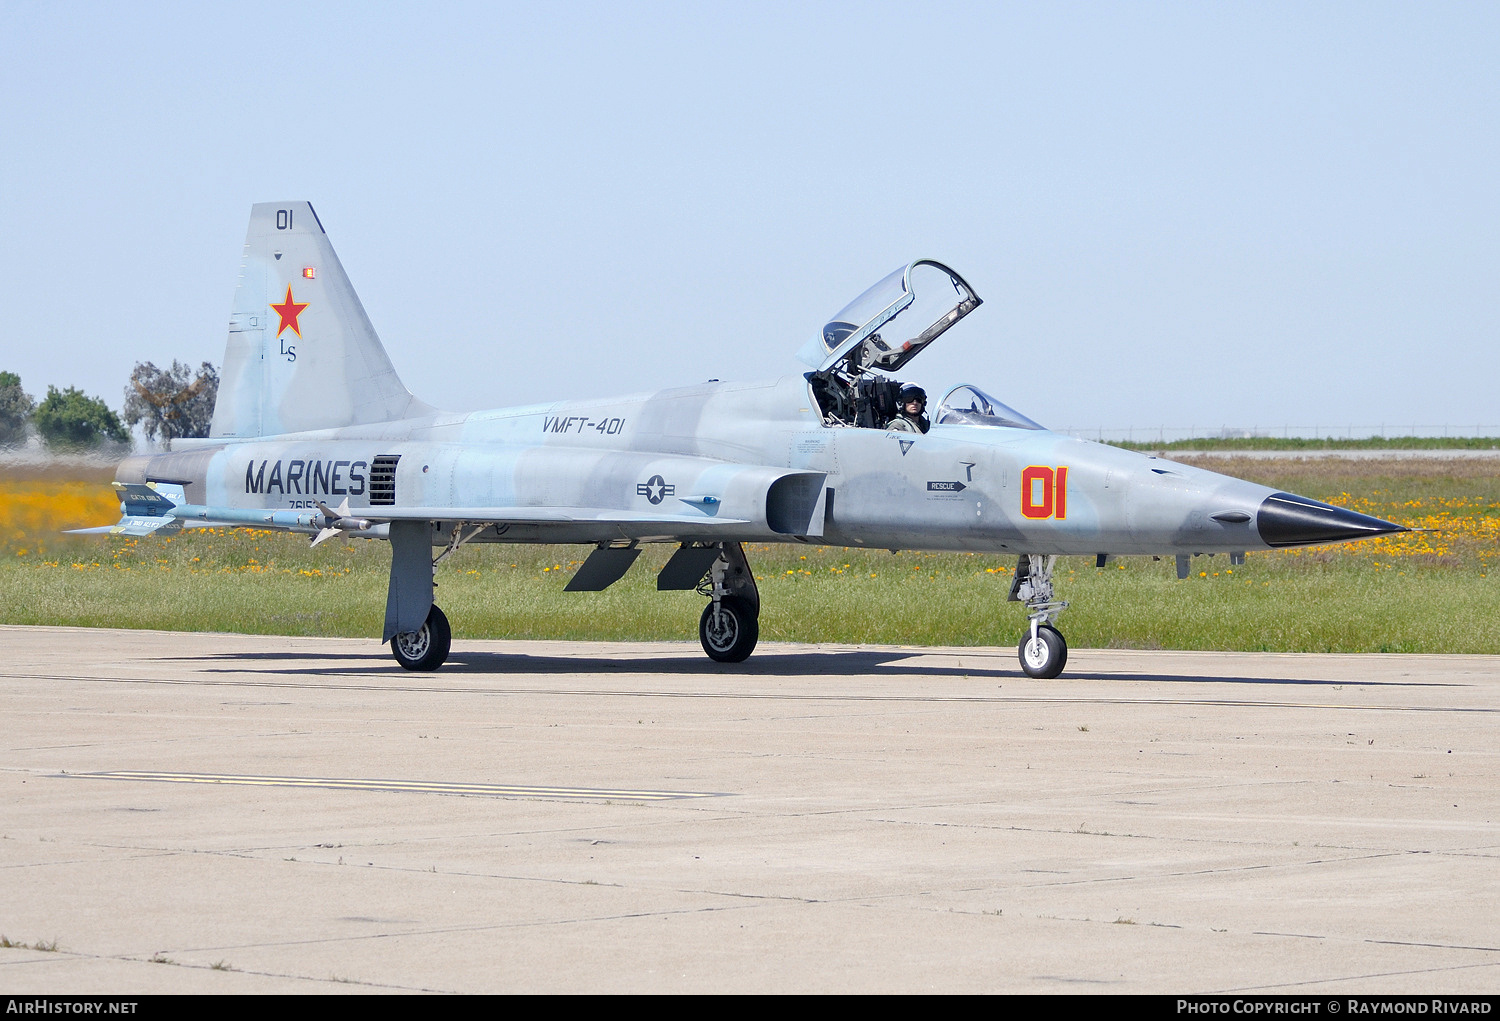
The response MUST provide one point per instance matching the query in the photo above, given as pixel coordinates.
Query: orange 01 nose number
(1044, 492)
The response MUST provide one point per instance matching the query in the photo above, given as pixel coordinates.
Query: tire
(1047, 657)
(732, 636)
(427, 648)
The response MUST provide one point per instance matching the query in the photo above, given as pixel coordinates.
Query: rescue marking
(492, 790)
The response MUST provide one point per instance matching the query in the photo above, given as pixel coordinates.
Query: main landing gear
(728, 630)
(730, 625)
(1043, 651)
(417, 630)
(427, 647)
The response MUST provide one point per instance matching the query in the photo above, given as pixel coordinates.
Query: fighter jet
(315, 433)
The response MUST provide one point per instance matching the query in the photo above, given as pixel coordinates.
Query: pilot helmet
(911, 392)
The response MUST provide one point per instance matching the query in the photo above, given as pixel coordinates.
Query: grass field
(1232, 443)
(1429, 591)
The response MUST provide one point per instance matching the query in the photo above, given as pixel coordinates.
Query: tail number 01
(1044, 492)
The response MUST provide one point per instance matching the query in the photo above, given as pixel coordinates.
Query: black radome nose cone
(1285, 519)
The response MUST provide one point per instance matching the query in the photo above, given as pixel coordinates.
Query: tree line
(167, 403)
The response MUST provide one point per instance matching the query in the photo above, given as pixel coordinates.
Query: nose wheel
(1044, 653)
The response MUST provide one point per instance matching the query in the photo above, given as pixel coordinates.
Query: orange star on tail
(289, 310)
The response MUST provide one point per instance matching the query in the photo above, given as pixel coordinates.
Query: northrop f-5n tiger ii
(314, 432)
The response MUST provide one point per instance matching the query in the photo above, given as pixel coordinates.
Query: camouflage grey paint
(718, 449)
(310, 407)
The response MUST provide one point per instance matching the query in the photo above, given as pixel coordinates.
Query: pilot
(912, 416)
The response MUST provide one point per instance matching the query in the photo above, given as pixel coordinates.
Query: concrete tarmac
(235, 814)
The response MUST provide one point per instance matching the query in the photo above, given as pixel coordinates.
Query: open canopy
(886, 326)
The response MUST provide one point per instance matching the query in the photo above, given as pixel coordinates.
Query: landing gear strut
(730, 625)
(417, 630)
(1043, 651)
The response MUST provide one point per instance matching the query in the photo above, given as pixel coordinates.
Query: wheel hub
(1036, 653)
(723, 629)
(414, 644)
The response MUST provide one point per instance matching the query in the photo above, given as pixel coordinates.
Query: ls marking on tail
(289, 310)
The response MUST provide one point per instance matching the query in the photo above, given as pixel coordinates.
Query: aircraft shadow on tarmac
(886, 663)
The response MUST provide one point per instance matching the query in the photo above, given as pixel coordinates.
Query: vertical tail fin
(302, 353)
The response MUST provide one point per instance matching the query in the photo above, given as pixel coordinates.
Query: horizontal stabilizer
(144, 508)
(146, 526)
(131, 526)
(150, 499)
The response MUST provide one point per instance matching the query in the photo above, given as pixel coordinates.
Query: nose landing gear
(1043, 651)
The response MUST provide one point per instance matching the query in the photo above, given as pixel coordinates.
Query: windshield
(969, 405)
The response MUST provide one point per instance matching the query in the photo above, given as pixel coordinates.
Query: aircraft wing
(542, 516)
(750, 502)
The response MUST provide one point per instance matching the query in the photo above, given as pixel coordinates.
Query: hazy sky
(1178, 214)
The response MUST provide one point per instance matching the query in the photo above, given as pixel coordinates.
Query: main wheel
(729, 633)
(1047, 655)
(426, 648)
